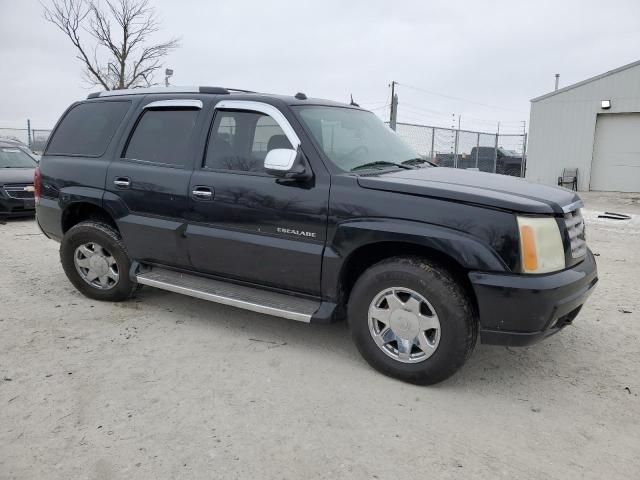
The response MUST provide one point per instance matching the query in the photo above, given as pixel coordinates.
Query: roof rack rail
(240, 90)
(159, 90)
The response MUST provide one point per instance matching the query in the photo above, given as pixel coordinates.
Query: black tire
(458, 325)
(109, 239)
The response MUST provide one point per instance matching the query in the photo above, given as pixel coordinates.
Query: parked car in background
(507, 162)
(309, 210)
(17, 169)
(22, 146)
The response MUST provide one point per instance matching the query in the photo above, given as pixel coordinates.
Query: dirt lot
(166, 386)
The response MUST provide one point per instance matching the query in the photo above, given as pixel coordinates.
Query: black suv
(313, 211)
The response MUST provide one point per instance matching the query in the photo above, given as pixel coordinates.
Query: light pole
(168, 73)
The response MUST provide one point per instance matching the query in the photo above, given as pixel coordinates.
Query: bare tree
(112, 39)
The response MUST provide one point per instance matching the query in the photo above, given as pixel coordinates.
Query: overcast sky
(492, 57)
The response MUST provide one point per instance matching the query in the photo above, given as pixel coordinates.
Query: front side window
(87, 128)
(163, 136)
(353, 138)
(11, 157)
(240, 140)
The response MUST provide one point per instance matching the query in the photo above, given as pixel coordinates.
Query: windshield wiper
(418, 161)
(380, 163)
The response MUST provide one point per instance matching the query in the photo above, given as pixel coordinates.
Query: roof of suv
(298, 99)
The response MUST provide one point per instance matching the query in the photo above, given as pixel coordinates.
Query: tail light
(37, 184)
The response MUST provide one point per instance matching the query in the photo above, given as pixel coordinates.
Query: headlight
(541, 248)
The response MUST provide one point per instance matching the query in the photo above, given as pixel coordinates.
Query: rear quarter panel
(68, 179)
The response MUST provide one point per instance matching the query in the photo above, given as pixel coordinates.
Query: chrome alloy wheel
(96, 266)
(404, 325)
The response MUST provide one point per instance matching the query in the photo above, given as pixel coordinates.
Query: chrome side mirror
(280, 160)
(290, 166)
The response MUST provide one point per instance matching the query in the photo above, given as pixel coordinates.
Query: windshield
(11, 157)
(355, 139)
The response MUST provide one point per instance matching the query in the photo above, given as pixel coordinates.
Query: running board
(248, 298)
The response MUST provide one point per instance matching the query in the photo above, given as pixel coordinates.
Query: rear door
(246, 224)
(147, 184)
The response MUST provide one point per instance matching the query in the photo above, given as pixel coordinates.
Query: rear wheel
(96, 261)
(411, 320)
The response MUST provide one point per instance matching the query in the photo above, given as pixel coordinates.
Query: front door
(246, 224)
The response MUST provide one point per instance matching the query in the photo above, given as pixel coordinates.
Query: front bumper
(519, 310)
(16, 207)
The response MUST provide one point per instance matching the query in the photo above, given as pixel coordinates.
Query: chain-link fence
(35, 139)
(19, 134)
(487, 152)
(39, 139)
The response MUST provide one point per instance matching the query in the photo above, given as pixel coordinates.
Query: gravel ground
(165, 386)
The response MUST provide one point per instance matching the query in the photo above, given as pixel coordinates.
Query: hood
(492, 190)
(16, 175)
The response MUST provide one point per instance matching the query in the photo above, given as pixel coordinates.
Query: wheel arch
(368, 255)
(81, 211)
(360, 245)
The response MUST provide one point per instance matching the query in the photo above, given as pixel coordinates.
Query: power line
(456, 98)
(425, 110)
(435, 116)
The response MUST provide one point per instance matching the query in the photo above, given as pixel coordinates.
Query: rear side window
(163, 136)
(87, 129)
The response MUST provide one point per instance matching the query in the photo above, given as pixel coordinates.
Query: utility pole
(393, 114)
(495, 150)
(523, 162)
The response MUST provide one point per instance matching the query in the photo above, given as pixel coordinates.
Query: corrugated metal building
(573, 128)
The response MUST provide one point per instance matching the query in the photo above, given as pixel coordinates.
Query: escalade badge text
(299, 233)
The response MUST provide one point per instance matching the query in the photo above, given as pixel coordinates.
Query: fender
(468, 251)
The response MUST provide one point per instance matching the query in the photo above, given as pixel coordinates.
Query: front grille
(575, 228)
(19, 190)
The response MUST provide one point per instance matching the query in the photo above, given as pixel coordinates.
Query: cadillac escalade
(313, 211)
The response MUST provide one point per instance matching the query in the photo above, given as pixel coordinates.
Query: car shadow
(493, 368)
(25, 219)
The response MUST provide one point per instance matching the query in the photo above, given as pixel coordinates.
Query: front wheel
(96, 262)
(411, 320)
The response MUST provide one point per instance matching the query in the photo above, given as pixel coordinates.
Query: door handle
(202, 193)
(122, 182)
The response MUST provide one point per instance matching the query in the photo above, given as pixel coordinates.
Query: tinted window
(239, 141)
(163, 136)
(87, 129)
